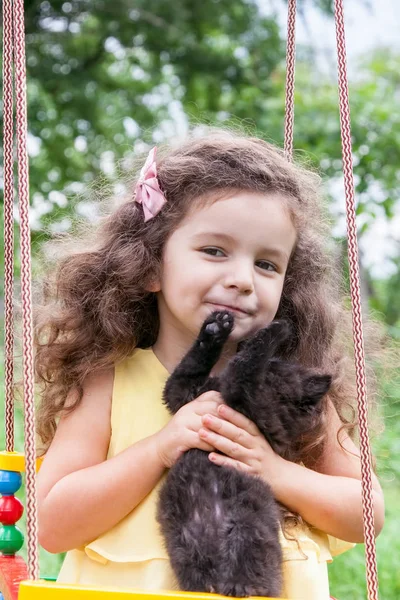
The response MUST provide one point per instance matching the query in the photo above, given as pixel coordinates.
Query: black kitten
(221, 526)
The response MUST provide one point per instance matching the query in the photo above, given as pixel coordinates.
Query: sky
(366, 28)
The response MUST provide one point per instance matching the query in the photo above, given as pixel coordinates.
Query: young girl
(223, 221)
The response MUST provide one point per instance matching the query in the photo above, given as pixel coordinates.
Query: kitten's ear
(314, 389)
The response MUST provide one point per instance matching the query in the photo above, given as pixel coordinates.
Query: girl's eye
(266, 265)
(212, 251)
(263, 264)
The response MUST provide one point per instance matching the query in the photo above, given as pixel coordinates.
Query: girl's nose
(241, 278)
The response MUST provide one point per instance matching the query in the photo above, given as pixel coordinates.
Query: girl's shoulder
(97, 384)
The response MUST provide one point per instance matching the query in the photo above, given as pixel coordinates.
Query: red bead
(11, 510)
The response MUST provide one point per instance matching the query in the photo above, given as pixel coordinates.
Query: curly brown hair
(95, 307)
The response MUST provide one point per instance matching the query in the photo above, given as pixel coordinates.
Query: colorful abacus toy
(11, 509)
(12, 568)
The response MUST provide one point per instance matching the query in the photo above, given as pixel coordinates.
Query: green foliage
(103, 76)
(375, 127)
(93, 68)
(386, 300)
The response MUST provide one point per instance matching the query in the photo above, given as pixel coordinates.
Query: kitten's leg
(221, 529)
(191, 374)
(189, 514)
(245, 371)
(251, 557)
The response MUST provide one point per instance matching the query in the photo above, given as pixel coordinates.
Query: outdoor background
(106, 79)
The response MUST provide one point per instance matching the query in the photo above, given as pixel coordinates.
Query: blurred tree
(376, 148)
(102, 75)
(105, 77)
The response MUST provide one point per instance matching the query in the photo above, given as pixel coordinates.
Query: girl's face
(231, 254)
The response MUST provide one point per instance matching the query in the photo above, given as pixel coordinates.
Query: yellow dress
(132, 554)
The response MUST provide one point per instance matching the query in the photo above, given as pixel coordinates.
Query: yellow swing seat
(41, 590)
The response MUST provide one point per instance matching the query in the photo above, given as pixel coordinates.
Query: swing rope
(8, 225)
(13, 27)
(352, 250)
(290, 77)
(14, 56)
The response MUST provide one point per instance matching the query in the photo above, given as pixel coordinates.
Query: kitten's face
(294, 395)
(232, 252)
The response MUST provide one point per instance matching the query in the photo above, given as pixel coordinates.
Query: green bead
(11, 540)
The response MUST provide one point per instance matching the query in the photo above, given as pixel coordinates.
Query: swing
(21, 581)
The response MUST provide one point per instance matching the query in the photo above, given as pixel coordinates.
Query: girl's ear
(154, 286)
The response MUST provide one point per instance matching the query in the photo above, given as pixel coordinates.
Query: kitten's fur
(221, 525)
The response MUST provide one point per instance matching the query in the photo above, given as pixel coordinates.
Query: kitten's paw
(237, 590)
(216, 328)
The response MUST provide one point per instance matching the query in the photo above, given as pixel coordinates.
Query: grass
(347, 572)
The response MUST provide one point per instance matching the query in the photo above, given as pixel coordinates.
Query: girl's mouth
(233, 309)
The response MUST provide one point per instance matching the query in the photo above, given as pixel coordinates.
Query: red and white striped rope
(8, 223)
(15, 41)
(368, 514)
(366, 478)
(290, 78)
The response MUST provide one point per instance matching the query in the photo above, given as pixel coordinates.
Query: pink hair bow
(147, 191)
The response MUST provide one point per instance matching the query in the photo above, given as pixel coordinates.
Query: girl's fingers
(205, 407)
(227, 413)
(203, 445)
(211, 397)
(206, 447)
(223, 444)
(228, 430)
(226, 461)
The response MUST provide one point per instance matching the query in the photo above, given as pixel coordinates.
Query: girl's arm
(330, 496)
(81, 495)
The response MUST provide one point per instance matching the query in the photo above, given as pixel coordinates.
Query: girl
(223, 221)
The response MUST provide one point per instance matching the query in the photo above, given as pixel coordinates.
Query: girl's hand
(182, 431)
(243, 445)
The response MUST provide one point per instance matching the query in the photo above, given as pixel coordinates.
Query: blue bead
(1, 596)
(10, 482)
